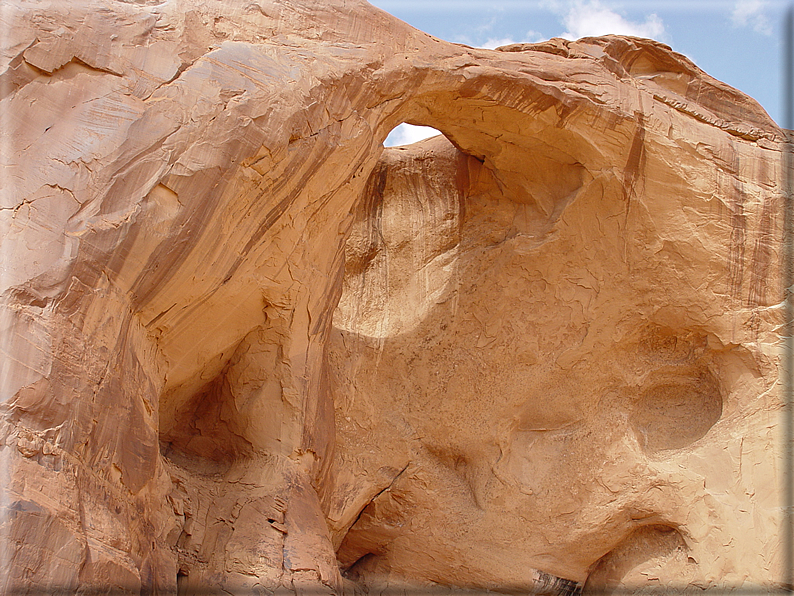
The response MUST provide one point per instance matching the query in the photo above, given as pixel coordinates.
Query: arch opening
(407, 134)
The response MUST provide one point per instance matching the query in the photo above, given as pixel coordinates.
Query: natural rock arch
(183, 206)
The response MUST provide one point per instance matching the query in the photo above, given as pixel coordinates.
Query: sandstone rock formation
(245, 348)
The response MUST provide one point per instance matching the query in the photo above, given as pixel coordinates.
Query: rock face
(245, 348)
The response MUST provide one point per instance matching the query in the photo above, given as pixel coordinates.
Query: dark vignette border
(412, 591)
(788, 276)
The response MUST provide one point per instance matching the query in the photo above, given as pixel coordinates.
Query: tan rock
(245, 348)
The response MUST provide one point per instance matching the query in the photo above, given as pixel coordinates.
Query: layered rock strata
(245, 348)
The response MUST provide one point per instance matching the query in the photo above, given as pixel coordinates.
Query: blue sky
(737, 41)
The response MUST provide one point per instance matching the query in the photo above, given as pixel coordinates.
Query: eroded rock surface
(246, 348)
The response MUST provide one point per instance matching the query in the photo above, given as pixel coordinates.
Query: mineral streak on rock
(245, 348)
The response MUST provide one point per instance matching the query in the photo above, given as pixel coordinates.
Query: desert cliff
(245, 348)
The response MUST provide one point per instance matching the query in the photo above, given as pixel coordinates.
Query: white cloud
(750, 13)
(530, 37)
(405, 134)
(494, 43)
(590, 19)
